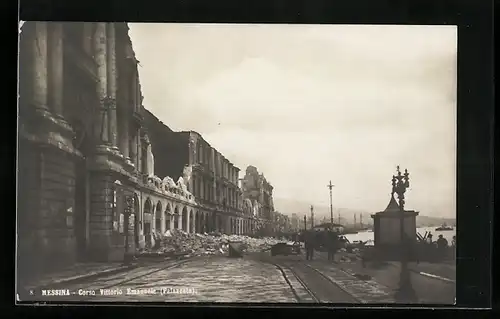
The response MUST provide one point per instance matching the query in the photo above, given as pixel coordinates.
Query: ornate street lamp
(405, 292)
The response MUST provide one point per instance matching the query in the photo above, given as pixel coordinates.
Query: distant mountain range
(290, 206)
(425, 221)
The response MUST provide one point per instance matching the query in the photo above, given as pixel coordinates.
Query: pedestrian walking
(332, 245)
(309, 245)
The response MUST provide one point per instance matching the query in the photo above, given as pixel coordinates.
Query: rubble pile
(178, 242)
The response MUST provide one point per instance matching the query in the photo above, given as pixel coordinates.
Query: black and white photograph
(236, 163)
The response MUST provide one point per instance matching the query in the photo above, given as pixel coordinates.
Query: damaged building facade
(86, 184)
(210, 177)
(258, 192)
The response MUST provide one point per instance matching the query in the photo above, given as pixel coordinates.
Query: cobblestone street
(256, 278)
(206, 279)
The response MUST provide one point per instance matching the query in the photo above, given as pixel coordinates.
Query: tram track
(118, 280)
(294, 288)
(332, 282)
(312, 282)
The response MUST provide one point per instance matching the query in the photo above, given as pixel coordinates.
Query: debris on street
(178, 242)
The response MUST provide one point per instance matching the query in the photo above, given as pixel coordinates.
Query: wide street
(257, 278)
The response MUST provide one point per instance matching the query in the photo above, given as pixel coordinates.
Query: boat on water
(444, 227)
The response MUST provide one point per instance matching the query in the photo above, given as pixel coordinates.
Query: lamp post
(116, 188)
(129, 204)
(405, 292)
(129, 200)
(330, 186)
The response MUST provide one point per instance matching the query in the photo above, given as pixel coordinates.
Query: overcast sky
(306, 104)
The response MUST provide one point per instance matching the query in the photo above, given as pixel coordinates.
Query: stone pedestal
(387, 225)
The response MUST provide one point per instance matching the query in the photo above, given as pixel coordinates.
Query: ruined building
(212, 179)
(259, 192)
(86, 183)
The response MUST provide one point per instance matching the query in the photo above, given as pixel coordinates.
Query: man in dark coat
(309, 245)
(332, 245)
(442, 245)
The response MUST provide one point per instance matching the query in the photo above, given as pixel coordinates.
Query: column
(111, 73)
(101, 127)
(124, 134)
(188, 223)
(55, 74)
(179, 221)
(172, 221)
(40, 63)
(193, 223)
(201, 187)
(139, 151)
(132, 88)
(163, 221)
(133, 151)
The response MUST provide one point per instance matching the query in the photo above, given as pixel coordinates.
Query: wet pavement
(201, 279)
(256, 278)
(429, 289)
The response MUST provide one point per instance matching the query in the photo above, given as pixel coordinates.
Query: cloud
(306, 104)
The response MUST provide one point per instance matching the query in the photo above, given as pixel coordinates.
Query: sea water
(366, 235)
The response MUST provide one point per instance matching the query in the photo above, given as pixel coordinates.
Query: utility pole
(305, 222)
(312, 216)
(330, 186)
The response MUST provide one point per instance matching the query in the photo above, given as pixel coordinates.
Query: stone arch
(213, 223)
(137, 220)
(158, 216)
(202, 222)
(168, 216)
(198, 221)
(176, 217)
(184, 219)
(147, 206)
(148, 212)
(222, 224)
(191, 222)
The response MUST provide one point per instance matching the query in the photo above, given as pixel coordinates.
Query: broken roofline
(209, 145)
